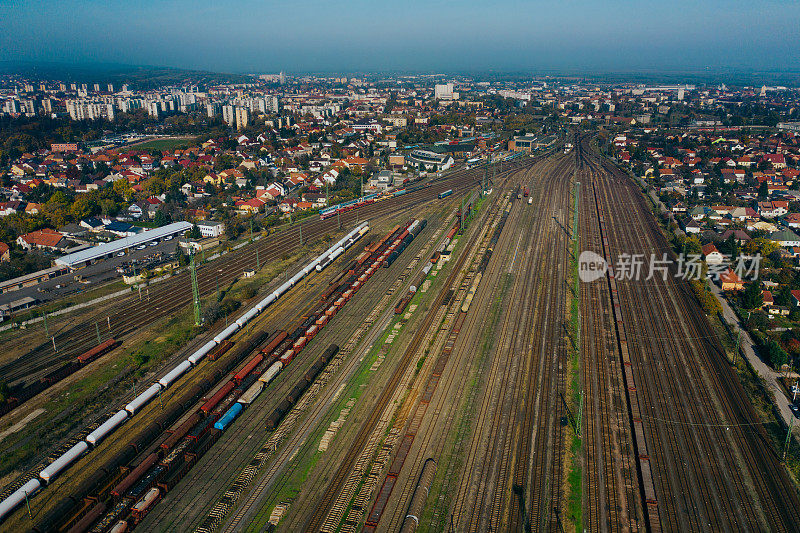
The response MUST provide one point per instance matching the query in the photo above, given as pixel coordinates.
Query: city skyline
(312, 36)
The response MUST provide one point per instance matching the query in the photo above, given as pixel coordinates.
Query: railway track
(611, 483)
(484, 498)
(166, 298)
(342, 481)
(321, 510)
(544, 472)
(436, 411)
(424, 397)
(710, 464)
(290, 437)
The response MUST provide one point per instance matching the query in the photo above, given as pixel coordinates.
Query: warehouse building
(107, 250)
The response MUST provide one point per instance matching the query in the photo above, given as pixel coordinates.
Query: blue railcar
(229, 416)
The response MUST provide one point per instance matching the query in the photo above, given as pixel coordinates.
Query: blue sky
(438, 35)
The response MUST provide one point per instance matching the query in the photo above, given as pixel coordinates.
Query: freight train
(22, 393)
(368, 199)
(165, 468)
(114, 422)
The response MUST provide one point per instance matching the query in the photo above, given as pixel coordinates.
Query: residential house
(253, 205)
(793, 220)
(48, 239)
(316, 199)
(137, 209)
(5, 252)
(697, 212)
(92, 224)
(738, 235)
(729, 281)
(768, 299)
(122, 229)
(679, 208)
(773, 209)
(690, 225)
(785, 238)
(273, 191)
(211, 228)
(777, 310)
(711, 254)
(777, 160)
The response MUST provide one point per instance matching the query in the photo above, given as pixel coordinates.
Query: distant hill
(138, 77)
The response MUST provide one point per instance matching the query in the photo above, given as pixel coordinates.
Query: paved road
(766, 372)
(97, 273)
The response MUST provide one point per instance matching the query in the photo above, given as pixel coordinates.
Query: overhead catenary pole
(788, 438)
(195, 291)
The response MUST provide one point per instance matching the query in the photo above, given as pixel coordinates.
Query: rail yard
(430, 362)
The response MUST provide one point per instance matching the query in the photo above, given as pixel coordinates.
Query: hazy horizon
(314, 36)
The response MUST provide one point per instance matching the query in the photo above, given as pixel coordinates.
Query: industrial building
(106, 250)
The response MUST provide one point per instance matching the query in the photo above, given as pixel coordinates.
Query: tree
(776, 355)
(763, 190)
(123, 188)
(758, 320)
(160, 219)
(752, 297)
(762, 246)
(706, 298)
(82, 207)
(194, 233)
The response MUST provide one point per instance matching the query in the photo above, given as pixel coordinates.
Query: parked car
(141, 247)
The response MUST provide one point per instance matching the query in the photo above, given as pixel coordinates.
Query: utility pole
(462, 214)
(301, 234)
(46, 329)
(195, 291)
(736, 348)
(575, 213)
(258, 262)
(251, 229)
(97, 329)
(788, 438)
